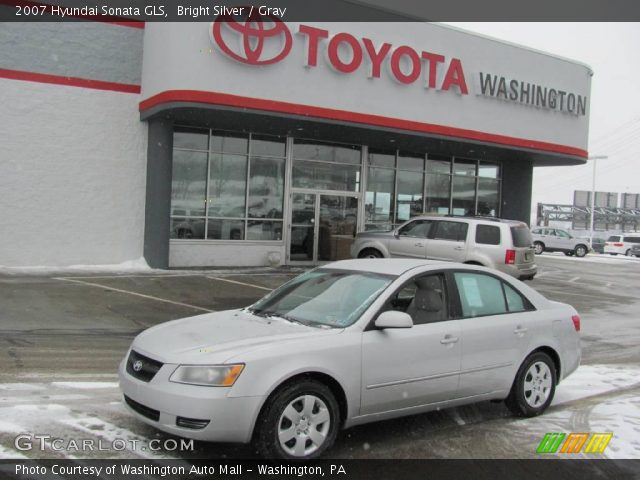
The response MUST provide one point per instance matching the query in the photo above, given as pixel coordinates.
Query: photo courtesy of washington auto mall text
(345, 239)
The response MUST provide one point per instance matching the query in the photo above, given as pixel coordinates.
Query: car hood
(215, 337)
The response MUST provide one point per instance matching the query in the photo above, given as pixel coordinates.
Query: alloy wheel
(537, 384)
(304, 425)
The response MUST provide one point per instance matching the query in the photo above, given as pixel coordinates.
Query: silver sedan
(349, 343)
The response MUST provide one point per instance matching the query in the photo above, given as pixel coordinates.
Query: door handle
(459, 248)
(448, 339)
(520, 330)
(419, 245)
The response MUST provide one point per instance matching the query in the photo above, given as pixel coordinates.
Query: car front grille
(141, 367)
(142, 409)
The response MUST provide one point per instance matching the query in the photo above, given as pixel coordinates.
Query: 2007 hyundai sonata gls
(352, 342)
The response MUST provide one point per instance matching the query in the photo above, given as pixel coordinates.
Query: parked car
(505, 245)
(546, 239)
(597, 245)
(635, 250)
(349, 343)
(621, 244)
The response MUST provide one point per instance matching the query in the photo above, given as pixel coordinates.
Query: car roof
(469, 217)
(387, 266)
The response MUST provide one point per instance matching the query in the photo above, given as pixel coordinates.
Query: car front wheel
(533, 387)
(538, 248)
(300, 421)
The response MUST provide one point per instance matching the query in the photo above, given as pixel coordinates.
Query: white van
(621, 244)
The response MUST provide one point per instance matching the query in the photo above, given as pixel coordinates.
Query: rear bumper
(521, 272)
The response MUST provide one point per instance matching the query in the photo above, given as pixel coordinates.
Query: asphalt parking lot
(64, 333)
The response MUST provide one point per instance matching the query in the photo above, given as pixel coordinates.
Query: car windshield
(324, 297)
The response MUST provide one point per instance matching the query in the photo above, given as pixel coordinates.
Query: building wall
(73, 159)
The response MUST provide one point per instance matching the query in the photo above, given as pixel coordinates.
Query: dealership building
(240, 143)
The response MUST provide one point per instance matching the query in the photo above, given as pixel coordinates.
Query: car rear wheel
(628, 253)
(300, 421)
(533, 387)
(538, 247)
(580, 251)
(370, 253)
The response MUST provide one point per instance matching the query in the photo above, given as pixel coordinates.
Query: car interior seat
(428, 304)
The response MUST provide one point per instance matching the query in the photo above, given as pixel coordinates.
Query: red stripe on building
(213, 98)
(68, 81)
(48, 9)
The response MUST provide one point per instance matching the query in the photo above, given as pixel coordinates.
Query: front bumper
(231, 419)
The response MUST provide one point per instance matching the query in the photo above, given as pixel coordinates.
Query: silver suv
(547, 239)
(505, 245)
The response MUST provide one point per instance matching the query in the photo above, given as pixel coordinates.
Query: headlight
(207, 375)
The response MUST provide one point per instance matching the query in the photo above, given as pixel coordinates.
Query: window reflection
(379, 196)
(266, 189)
(326, 152)
(409, 196)
(189, 183)
(227, 186)
(326, 176)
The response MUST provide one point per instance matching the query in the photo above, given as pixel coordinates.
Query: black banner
(325, 10)
(545, 469)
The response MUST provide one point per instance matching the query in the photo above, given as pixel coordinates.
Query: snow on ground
(620, 416)
(85, 385)
(592, 257)
(138, 265)
(95, 411)
(591, 380)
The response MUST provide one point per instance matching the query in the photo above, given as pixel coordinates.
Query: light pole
(595, 159)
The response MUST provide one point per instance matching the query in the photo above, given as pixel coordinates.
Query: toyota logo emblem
(137, 366)
(263, 39)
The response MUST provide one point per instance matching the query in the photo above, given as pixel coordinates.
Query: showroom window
(227, 185)
(402, 185)
(326, 166)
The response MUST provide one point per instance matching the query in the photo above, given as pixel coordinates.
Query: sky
(611, 50)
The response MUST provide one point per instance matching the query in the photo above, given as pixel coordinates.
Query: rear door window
(480, 294)
(488, 234)
(632, 239)
(444, 230)
(521, 236)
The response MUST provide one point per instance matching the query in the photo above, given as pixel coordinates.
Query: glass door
(322, 226)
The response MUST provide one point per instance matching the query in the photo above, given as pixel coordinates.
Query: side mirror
(394, 319)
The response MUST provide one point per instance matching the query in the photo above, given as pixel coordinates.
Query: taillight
(510, 257)
(576, 322)
(618, 244)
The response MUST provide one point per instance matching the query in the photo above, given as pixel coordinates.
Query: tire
(533, 387)
(627, 253)
(538, 247)
(580, 251)
(294, 412)
(370, 253)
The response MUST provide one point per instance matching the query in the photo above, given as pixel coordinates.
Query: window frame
(248, 156)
